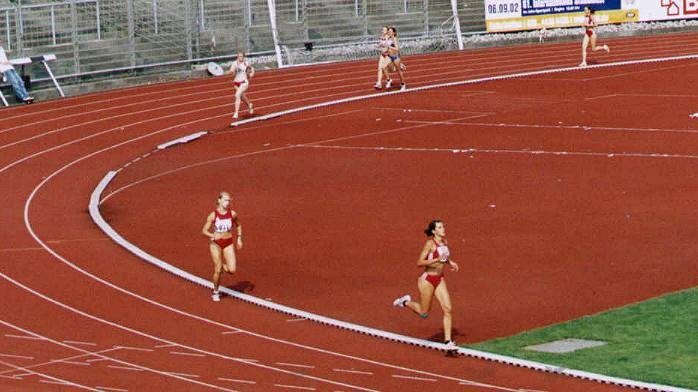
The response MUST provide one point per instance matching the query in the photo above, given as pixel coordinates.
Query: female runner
(435, 255)
(224, 221)
(243, 73)
(590, 35)
(383, 59)
(394, 56)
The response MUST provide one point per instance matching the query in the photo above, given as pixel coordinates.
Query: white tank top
(441, 253)
(240, 71)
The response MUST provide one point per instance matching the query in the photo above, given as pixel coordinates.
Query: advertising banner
(650, 10)
(518, 15)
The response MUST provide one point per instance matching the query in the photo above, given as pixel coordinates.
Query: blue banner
(540, 7)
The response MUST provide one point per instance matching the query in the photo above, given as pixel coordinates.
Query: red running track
(546, 224)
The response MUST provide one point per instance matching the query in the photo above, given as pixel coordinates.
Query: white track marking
(69, 362)
(144, 334)
(22, 337)
(7, 250)
(237, 380)
(294, 387)
(112, 389)
(80, 343)
(129, 348)
(471, 150)
(414, 378)
(121, 364)
(296, 319)
(230, 332)
(129, 368)
(186, 375)
(51, 362)
(46, 376)
(295, 365)
(575, 127)
(189, 354)
(353, 371)
(16, 356)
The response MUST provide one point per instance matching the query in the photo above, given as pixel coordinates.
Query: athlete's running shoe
(251, 109)
(377, 86)
(402, 301)
(215, 296)
(403, 87)
(389, 83)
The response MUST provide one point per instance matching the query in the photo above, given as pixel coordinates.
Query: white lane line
(417, 110)
(79, 343)
(54, 382)
(231, 332)
(560, 126)
(495, 387)
(247, 360)
(147, 350)
(28, 249)
(296, 319)
(112, 389)
(470, 151)
(295, 365)
(23, 337)
(22, 374)
(237, 380)
(294, 387)
(353, 371)
(189, 354)
(165, 345)
(16, 356)
(183, 374)
(70, 362)
(126, 368)
(414, 378)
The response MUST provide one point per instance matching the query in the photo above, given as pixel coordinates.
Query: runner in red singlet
(224, 221)
(435, 255)
(590, 35)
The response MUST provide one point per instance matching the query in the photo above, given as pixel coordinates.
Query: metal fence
(98, 36)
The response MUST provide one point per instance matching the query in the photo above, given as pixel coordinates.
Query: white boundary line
(109, 231)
